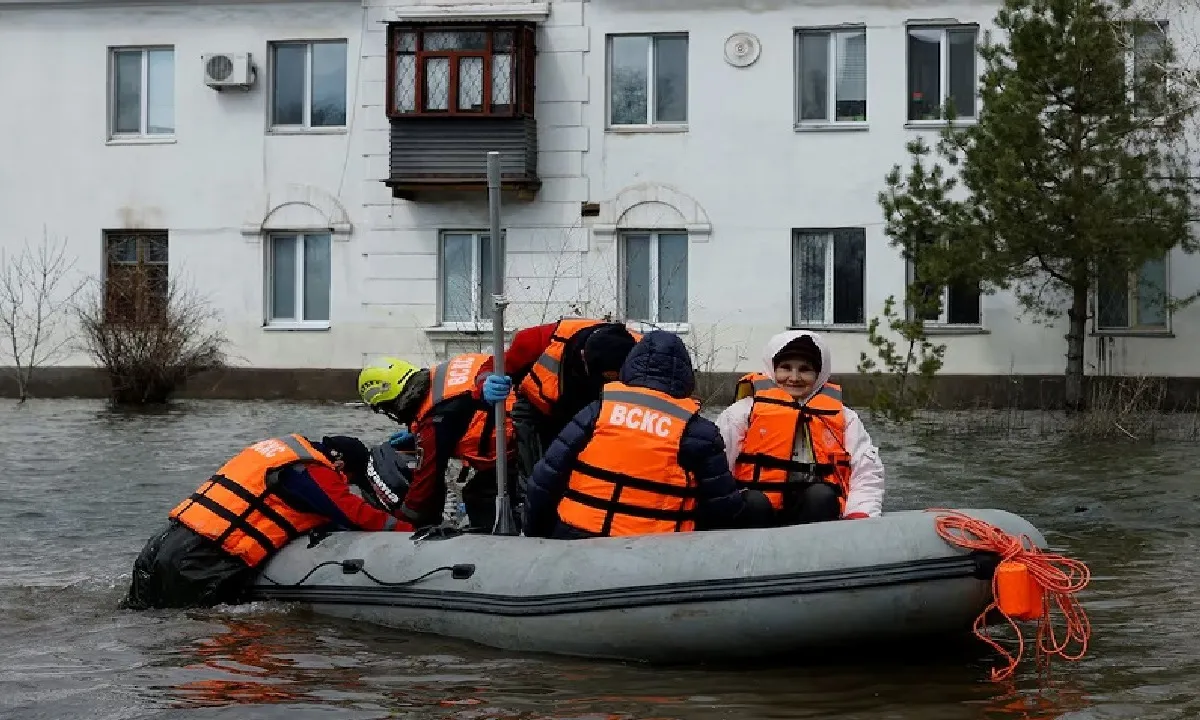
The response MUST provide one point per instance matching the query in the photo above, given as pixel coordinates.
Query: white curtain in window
(456, 277)
(810, 254)
(852, 66)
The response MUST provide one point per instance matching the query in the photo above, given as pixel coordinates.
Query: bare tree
(150, 335)
(37, 288)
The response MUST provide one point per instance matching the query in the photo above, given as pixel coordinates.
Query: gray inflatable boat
(680, 597)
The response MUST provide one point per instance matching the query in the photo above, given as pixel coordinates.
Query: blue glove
(496, 388)
(400, 439)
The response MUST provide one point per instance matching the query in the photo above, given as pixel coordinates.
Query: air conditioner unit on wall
(229, 71)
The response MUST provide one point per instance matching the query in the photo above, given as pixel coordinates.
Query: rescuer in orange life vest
(269, 494)
(558, 369)
(640, 460)
(446, 418)
(789, 436)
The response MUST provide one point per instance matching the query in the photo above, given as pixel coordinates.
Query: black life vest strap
(613, 506)
(805, 411)
(239, 521)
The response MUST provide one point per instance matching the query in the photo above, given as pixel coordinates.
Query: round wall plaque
(742, 49)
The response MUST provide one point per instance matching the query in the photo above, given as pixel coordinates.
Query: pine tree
(1075, 168)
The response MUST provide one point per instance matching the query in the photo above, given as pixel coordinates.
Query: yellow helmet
(380, 383)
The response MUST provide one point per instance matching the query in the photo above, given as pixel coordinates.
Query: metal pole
(505, 524)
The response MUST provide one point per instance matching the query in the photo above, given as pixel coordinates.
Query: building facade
(317, 170)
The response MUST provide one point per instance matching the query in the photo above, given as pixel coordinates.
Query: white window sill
(463, 329)
(307, 131)
(141, 140)
(645, 327)
(937, 124)
(940, 329)
(1134, 332)
(636, 129)
(844, 126)
(830, 328)
(285, 326)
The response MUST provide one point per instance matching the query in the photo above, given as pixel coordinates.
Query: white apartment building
(317, 168)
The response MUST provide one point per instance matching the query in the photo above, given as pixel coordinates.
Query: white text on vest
(636, 418)
(459, 371)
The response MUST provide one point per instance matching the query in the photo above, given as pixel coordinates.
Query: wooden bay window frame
(521, 70)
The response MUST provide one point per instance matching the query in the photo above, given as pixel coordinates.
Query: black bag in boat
(389, 473)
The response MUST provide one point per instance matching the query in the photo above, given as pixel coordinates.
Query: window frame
(943, 72)
(1132, 284)
(306, 126)
(942, 320)
(651, 123)
(477, 299)
(523, 68)
(1129, 56)
(831, 116)
(830, 279)
(143, 133)
(654, 323)
(141, 236)
(270, 322)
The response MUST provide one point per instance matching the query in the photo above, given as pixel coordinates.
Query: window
(1137, 301)
(298, 279)
(832, 75)
(941, 70)
(481, 71)
(959, 302)
(141, 92)
(655, 275)
(466, 277)
(1146, 61)
(308, 85)
(647, 79)
(135, 277)
(828, 273)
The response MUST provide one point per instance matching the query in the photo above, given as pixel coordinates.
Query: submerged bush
(150, 335)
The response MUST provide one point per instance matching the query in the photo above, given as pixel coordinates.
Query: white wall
(204, 184)
(740, 171)
(756, 178)
(546, 242)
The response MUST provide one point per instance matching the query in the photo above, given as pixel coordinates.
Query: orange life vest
(542, 386)
(456, 377)
(766, 455)
(627, 481)
(237, 509)
(749, 383)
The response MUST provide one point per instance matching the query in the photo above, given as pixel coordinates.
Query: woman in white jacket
(794, 440)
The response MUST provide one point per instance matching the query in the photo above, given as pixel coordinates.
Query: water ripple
(85, 487)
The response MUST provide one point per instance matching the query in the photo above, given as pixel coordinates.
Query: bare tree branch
(37, 288)
(170, 337)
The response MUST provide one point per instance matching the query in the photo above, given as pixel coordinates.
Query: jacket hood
(660, 361)
(782, 340)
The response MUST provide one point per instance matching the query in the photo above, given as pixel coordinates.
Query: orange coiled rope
(1059, 578)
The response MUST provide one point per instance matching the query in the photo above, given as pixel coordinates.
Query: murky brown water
(83, 488)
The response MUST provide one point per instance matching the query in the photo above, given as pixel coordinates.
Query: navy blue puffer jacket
(659, 362)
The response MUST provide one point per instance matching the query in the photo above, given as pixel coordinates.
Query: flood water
(82, 488)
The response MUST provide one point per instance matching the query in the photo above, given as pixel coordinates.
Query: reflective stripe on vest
(755, 382)
(452, 379)
(542, 385)
(627, 481)
(765, 460)
(237, 509)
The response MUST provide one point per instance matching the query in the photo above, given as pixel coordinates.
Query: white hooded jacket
(866, 469)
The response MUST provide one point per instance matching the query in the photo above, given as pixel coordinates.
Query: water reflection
(250, 667)
(1049, 701)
